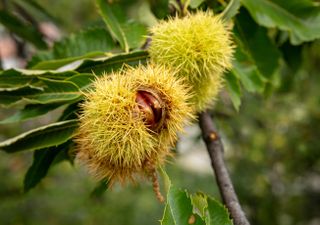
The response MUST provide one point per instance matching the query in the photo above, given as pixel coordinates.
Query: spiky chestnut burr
(129, 122)
(200, 47)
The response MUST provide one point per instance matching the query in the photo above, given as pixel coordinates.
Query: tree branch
(215, 150)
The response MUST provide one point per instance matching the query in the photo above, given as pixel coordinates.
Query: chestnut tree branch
(215, 150)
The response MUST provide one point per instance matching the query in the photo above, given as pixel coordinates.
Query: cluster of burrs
(130, 119)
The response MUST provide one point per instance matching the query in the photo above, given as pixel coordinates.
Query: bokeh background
(272, 151)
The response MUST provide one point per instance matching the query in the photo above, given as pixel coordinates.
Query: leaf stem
(215, 150)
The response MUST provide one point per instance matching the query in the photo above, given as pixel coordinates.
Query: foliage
(269, 36)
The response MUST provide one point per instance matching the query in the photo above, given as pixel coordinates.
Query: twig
(215, 150)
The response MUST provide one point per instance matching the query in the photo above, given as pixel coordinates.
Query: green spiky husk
(200, 47)
(113, 140)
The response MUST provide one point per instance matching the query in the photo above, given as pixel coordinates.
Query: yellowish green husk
(199, 46)
(113, 141)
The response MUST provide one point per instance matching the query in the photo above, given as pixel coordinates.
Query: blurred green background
(272, 151)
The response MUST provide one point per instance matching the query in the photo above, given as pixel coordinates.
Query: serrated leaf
(55, 64)
(100, 64)
(200, 204)
(218, 214)
(18, 27)
(53, 91)
(112, 15)
(8, 98)
(88, 43)
(82, 80)
(108, 64)
(247, 72)
(231, 10)
(179, 210)
(30, 112)
(14, 79)
(234, 89)
(300, 18)
(128, 33)
(256, 42)
(41, 137)
(42, 160)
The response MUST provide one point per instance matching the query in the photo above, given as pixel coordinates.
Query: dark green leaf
(111, 63)
(246, 70)
(160, 8)
(255, 41)
(53, 91)
(101, 64)
(70, 112)
(42, 161)
(8, 98)
(30, 112)
(100, 189)
(42, 137)
(130, 35)
(36, 10)
(12, 79)
(234, 89)
(89, 43)
(113, 16)
(26, 32)
(300, 18)
(82, 80)
(231, 10)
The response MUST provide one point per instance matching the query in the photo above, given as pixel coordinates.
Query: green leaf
(14, 79)
(26, 32)
(100, 189)
(30, 112)
(9, 98)
(300, 18)
(111, 63)
(160, 8)
(129, 34)
(246, 70)
(234, 89)
(195, 3)
(89, 43)
(82, 80)
(218, 214)
(112, 21)
(179, 210)
(53, 91)
(200, 204)
(231, 10)
(42, 161)
(101, 64)
(255, 41)
(70, 112)
(36, 10)
(42, 137)
(199, 209)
